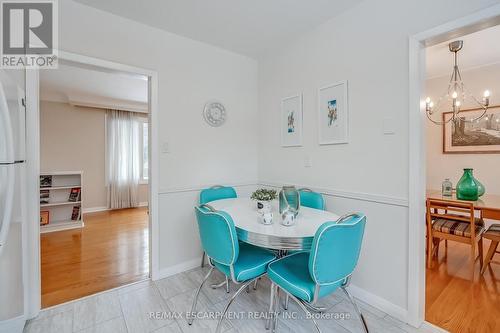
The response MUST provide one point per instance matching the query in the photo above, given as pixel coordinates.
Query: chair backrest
(218, 235)
(216, 192)
(311, 199)
(450, 210)
(336, 248)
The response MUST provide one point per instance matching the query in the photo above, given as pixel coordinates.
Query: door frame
(479, 20)
(33, 278)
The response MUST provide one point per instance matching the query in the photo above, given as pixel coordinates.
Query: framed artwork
(333, 114)
(291, 121)
(481, 136)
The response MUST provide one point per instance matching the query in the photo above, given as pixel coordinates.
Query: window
(145, 152)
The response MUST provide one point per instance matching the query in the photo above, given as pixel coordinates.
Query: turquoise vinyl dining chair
(307, 277)
(216, 192)
(242, 263)
(311, 199)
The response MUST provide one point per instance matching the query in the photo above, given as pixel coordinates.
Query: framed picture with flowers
(291, 121)
(333, 114)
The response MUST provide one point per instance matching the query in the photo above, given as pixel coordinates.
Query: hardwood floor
(110, 251)
(458, 303)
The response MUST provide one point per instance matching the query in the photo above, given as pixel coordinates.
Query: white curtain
(123, 160)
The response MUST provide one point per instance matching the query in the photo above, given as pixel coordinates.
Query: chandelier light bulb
(456, 95)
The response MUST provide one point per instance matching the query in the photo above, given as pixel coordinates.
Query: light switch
(307, 162)
(165, 148)
(389, 126)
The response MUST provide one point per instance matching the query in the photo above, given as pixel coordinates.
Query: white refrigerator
(12, 202)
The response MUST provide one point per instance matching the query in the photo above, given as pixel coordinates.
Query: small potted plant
(264, 197)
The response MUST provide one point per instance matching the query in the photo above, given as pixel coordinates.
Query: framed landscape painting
(333, 114)
(291, 121)
(480, 136)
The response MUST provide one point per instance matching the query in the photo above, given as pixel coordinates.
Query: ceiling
(480, 48)
(94, 87)
(249, 27)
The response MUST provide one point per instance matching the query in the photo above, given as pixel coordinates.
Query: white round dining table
(275, 236)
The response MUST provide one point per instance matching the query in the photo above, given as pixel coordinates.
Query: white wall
(368, 46)
(74, 139)
(441, 166)
(190, 73)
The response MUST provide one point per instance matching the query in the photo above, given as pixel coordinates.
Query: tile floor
(128, 309)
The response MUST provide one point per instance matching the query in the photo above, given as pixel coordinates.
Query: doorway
(457, 290)
(114, 245)
(417, 147)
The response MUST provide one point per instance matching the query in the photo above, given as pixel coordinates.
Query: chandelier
(456, 95)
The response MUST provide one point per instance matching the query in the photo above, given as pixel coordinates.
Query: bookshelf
(56, 189)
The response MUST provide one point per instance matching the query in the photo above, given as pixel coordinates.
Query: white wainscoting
(179, 236)
(180, 248)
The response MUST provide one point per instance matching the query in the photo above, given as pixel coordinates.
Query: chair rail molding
(199, 187)
(370, 197)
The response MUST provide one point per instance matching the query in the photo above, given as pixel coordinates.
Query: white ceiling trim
(111, 104)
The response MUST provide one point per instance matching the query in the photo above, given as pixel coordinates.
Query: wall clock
(214, 113)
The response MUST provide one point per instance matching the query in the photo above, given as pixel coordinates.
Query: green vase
(480, 188)
(467, 187)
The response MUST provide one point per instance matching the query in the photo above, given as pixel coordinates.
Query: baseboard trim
(103, 209)
(94, 210)
(179, 268)
(365, 296)
(13, 325)
(433, 328)
(379, 303)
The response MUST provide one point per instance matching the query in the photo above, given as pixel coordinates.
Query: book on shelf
(75, 216)
(74, 195)
(45, 181)
(44, 196)
(44, 217)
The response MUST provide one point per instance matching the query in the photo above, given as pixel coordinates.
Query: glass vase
(447, 188)
(289, 200)
(467, 187)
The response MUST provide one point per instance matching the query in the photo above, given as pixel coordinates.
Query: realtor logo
(29, 33)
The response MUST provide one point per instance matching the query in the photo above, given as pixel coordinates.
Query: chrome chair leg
(195, 300)
(221, 319)
(271, 307)
(276, 308)
(203, 260)
(315, 309)
(356, 308)
(306, 311)
(255, 284)
(223, 283)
